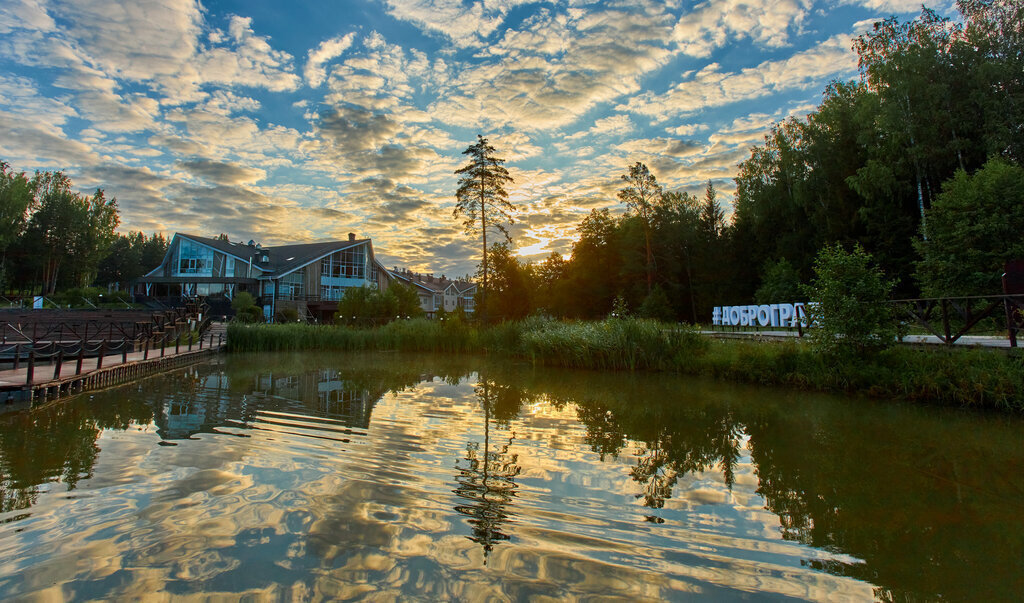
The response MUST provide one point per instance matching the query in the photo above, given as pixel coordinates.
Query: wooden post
(17, 355)
(103, 351)
(57, 363)
(31, 366)
(1011, 325)
(177, 343)
(81, 357)
(945, 321)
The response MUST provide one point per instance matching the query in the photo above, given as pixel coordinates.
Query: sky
(298, 122)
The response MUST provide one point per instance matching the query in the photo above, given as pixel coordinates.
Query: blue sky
(281, 121)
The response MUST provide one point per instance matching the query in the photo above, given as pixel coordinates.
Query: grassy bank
(966, 377)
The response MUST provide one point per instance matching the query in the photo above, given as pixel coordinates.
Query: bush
(656, 306)
(243, 300)
(850, 308)
(287, 315)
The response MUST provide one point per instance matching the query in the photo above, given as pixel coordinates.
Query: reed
(964, 377)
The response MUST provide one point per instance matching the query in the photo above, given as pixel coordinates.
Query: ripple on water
(319, 482)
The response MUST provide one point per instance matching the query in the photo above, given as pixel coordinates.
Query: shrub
(657, 306)
(849, 296)
(287, 315)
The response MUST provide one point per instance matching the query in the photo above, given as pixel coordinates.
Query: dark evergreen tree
(482, 202)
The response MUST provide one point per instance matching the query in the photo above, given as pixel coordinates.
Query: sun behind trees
(482, 201)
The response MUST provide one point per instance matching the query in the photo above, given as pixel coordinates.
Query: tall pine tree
(482, 202)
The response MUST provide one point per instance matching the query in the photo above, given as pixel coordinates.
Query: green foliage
(407, 301)
(656, 306)
(15, 201)
(642, 195)
(286, 315)
(849, 297)
(780, 282)
(965, 377)
(368, 305)
(974, 226)
(508, 294)
(243, 300)
(78, 297)
(245, 308)
(129, 257)
(620, 309)
(481, 200)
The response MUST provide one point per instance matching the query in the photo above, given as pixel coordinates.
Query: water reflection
(301, 476)
(486, 480)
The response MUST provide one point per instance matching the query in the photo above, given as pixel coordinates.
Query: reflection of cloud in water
(325, 503)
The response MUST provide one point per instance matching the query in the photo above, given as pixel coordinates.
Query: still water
(311, 477)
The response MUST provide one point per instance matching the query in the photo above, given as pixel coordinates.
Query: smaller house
(438, 292)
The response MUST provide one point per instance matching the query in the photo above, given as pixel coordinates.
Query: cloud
(222, 173)
(352, 129)
(319, 56)
(24, 14)
(711, 24)
(607, 54)
(462, 23)
(711, 87)
(612, 125)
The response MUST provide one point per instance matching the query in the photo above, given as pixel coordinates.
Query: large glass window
(347, 263)
(194, 258)
(292, 286)
(332, 292)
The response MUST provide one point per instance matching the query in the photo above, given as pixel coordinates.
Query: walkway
(987, 341)
(109, 370)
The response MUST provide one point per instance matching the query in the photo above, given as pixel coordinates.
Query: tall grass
(968, 377)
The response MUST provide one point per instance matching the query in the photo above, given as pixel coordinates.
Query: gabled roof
(431, 283)
(287, 258)
(281, 260)
(239, 250)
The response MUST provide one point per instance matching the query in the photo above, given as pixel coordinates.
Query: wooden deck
(99, 372)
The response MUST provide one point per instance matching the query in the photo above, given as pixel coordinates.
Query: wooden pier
(66, 376)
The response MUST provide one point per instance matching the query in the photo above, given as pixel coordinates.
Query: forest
(918, 161)
(54, 239)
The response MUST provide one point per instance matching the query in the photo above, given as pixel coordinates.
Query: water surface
(340, 476)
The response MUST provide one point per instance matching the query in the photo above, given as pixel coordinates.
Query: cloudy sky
(281, 121)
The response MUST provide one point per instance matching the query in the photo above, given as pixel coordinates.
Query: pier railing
(40, 327)
(55, 356)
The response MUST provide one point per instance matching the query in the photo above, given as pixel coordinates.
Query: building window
(347, 263)
(292, 286)
(194, 258)
(332, 292)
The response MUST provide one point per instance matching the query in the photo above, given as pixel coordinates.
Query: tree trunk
(483, 229)
(650, 271)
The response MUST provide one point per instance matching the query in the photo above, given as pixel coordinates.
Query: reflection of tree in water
(55, 443)
(694, 442)
(487, 478)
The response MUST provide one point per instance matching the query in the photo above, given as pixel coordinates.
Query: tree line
(918, 161)
(53, 238)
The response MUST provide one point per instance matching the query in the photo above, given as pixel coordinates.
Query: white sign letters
(774, 315)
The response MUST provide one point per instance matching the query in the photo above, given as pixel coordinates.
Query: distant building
(309, 277)
(438, 292)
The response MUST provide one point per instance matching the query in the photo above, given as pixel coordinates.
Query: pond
(302, 476)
